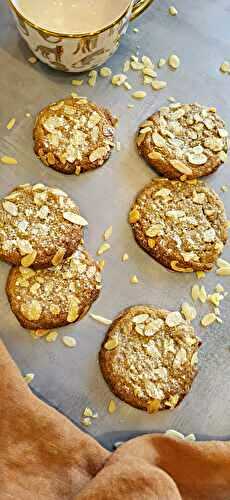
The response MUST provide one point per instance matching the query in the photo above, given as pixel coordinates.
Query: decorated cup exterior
(76, 53)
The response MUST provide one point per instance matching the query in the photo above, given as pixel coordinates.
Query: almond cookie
(56, 296)
(149, 357)
(183, 141)
(74, 135)
(181, 224)
(39, 226)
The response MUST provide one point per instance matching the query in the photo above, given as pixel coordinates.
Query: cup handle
(138, 7)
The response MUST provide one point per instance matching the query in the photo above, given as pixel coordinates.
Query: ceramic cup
(80, 52)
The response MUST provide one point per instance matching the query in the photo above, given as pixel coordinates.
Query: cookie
(149, 357)
(183, 141)
(181, 224)
(74, 135)
(56, 296)
(39, 226)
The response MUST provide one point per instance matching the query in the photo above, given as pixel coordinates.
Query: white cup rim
(68, 35)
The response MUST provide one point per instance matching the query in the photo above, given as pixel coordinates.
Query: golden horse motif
(57, 52)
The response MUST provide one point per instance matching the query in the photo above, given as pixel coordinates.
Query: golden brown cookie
(39, 226)
(56, 296)
(74, 135)
(183, 141)
(149, 357)
(181, 224)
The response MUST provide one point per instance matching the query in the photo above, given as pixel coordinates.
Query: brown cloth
(43, 456)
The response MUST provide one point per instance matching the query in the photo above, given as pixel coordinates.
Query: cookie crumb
(32, 60)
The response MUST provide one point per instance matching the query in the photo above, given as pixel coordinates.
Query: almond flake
(32, 310)
(126, 66)
(134, 216)
(88, 412)
(10, 208)
(153, 405)
(196, 159)
(101, 319)
(174, 434)
(29, 259)
(75, 218)
(172, 11)
(200, 274)
(52, 336)
(105, 72)
(225, 67)
(149, 72)
(104, 247)
(92, 78)
(147, 61)
(208, 319)
(189, 312)
(158, 84)
(134, 280)
(181, 167)
(112, 406)
(175, 267)
(111, 344)
(219, 288)
(223, 271)
(58, 257)
(161, 62)
(11, 123)
(69, 341)
(119, 79)
(174, 319)
(222, 263)
(28, 378)
(139, 94)
(154, 155)
(125, 257)
(140, 318)
(73, 311)
(195, 292)
(158, 140)
(8, 160)
(98, 154)
(203, 294)
(77, 83)
(174, 61)
(108, 233)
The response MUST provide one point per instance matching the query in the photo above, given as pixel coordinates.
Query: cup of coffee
(74, 35)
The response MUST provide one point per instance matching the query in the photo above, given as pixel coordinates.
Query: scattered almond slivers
(188, 311)
(174, 61)
(101, 319)
(225, 67)
(77, 83)
(108, 233)
(11, 123)
(172, 11)
(104, 247)
(224, 267)
(73, 311)
(111, 344)
(158, 84)
(134, 280)
(125, 257)
(139, 94)
(75, 218)
(112, 406)
(51, 336)
(29, 259)
(92, 78)
(208, 319)
(58, 257)
(69, 341)
(105, 72)
(8, 160)
(175, 267)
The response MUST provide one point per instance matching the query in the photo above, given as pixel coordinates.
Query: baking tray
(71, 379)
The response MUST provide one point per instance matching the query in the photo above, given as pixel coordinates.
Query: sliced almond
(98, 154)
(174, 61)
(181, 167)
(108, 233)
(153, 405)
(208, 319)
(174, 319)
(111, 344)
(134, 280)
(195, 292)
(222, 263)
(73, 311)
(28, 378)
(154, 155)
(139, 94)
(223, 271)
(75, 218)
(140, 318)
(10, 208)
(52, 336)
(77, 83)
(104, 247)
(175, 267)
(29, 259)
(119, 79)
(101, 319)
(173, 11)
(188, 311)
(158, 84)
(112, 406)
(105, 72)
(134, 216)
(69, 341)
(125, 257)
(8, 160)
(32, 310)
(11, 123)
(59, 256)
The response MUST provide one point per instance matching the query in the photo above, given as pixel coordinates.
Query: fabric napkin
(43, 456)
